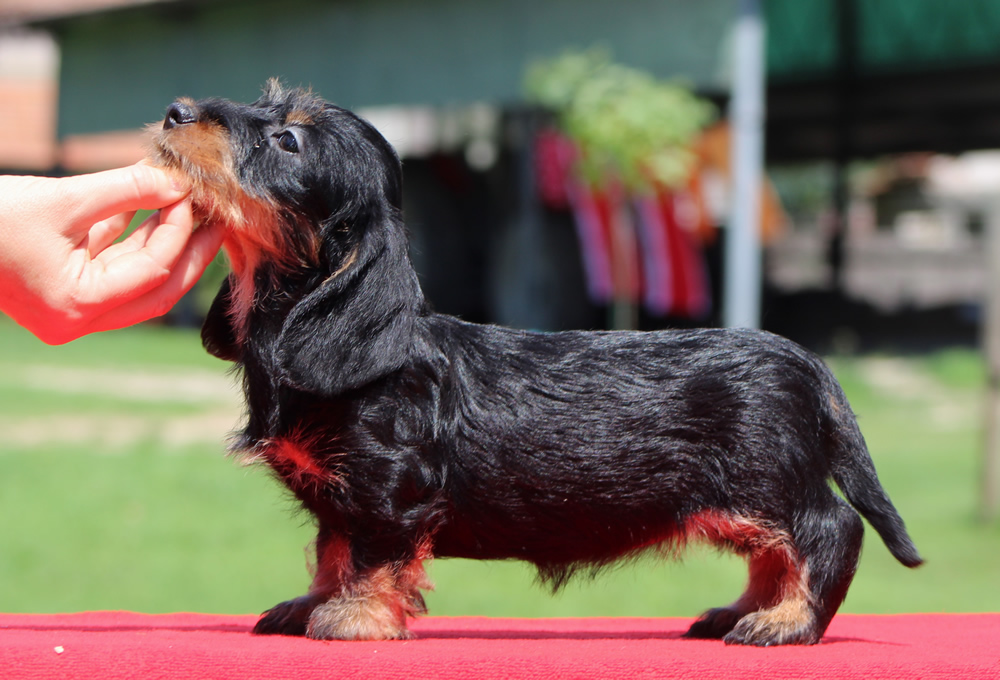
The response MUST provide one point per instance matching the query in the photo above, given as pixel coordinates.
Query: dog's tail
(854, 472)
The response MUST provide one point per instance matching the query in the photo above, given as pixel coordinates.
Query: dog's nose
(179, 113)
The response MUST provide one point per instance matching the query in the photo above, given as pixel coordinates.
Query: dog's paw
(287, 618)
(714, 624)
(769, 627)
(357, 618)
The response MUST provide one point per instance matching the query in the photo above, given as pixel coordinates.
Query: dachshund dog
(409, 434)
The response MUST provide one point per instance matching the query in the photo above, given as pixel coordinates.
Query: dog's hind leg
(774, 570)
(828, 545)
(768, 572)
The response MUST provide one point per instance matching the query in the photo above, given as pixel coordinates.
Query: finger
(106, 232)
(167, 239)
(140, 263)
(202, 248)
(135, 241)
(163, 236)
(181, 213)
(100, 195)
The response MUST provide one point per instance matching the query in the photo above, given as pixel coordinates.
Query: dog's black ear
(217, 334)
(358, 325)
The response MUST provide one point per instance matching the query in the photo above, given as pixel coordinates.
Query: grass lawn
(116, 494)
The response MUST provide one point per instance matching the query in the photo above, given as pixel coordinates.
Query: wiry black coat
(410, 434)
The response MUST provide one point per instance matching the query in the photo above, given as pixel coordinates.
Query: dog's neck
(310, 331)
(245, 264)
(260, 300)
(259, 277)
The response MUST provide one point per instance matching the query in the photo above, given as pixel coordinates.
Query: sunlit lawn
(116, 494)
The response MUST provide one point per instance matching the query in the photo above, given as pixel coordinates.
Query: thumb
(100, 195)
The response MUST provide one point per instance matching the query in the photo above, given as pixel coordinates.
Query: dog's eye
(287, 142)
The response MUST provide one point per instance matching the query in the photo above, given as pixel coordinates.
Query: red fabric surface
(127, 645)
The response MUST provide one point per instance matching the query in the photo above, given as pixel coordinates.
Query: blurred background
(567, 165)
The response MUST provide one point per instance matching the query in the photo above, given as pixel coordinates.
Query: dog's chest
(296, 463)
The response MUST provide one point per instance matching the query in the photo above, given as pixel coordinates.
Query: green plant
(627, 123)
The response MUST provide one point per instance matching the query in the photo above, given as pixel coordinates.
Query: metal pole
(742, 276)
(847, 49)
(990, 489)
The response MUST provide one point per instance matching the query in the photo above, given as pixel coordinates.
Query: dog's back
(634, 434)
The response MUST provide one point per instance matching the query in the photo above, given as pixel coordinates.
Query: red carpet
(104, 645)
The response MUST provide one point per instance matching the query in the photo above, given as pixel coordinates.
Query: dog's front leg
(333, 569)
(372, 603)
(346, 603)
(288, 618)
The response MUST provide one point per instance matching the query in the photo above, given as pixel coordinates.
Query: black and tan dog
(410, 434)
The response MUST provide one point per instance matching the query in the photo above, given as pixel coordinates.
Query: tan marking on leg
(333, 567)
(776, 606)
(791, 621)
(376, 605)
(769, 574)
(367, 610)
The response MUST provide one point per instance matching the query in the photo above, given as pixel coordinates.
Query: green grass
(120, 497)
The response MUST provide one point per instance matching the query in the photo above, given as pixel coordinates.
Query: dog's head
(309, 195)
(288, 176)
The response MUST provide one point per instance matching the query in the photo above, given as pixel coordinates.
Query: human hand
(61, 273)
